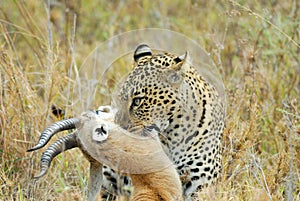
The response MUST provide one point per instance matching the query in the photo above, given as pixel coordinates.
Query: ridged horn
(59, 146)
(46, 135)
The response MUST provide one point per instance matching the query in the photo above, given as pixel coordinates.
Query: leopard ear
(142, 51)
(182, 62)
(173, 77)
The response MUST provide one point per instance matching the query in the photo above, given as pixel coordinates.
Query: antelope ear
(182, 62)
(142, 51)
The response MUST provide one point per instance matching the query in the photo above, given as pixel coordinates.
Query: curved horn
(62, 125)
(59, 146)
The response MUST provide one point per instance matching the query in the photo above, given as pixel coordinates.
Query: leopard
(164, 92)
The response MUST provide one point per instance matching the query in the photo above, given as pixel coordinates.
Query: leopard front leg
(115, 184)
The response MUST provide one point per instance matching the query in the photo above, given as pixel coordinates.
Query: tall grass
(254, 44)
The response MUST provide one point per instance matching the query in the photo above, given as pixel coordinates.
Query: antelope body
(104, 142)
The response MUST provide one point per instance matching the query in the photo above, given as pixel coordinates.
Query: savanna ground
(255, 45)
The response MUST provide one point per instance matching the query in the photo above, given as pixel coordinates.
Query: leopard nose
(122, 119)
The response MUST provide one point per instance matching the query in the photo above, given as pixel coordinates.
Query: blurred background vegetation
(255, 45)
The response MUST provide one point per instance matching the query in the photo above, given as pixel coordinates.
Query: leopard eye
(136, 102)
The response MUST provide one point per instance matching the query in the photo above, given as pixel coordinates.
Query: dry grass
(255, 45)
